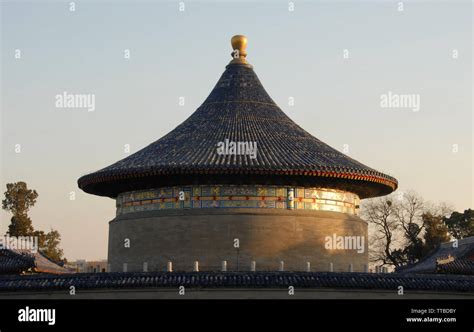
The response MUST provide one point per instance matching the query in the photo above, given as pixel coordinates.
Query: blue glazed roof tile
(240, 110)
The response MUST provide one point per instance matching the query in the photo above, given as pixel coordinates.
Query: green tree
(49, 244)
(18, 200)
(461, 225)
(436, 231)
(20, 226)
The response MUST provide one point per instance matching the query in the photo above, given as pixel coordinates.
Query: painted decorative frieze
(233, 196)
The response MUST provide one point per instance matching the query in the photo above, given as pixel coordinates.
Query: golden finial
(239, 46)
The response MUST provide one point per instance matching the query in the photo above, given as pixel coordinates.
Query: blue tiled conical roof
(240, 110)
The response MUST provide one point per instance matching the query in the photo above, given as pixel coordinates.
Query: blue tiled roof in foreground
(15, 261)
(329, 280)
(459, 266)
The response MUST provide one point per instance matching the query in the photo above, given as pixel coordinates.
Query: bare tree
(379, 213)
(409, 208)
(397, 226)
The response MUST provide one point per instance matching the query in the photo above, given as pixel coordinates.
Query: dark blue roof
(16, 261)
(240, 110)
(459, 266)
(464, 250)
(332, 280)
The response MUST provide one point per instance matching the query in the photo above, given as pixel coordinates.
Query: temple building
(237, 186)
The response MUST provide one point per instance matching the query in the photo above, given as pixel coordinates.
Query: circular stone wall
(266, 236)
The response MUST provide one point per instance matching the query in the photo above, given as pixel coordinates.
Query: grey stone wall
(265, 236)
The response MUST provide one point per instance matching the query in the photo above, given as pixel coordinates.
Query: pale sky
(175, 54)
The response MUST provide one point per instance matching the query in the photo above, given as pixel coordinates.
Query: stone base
(207, 235)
